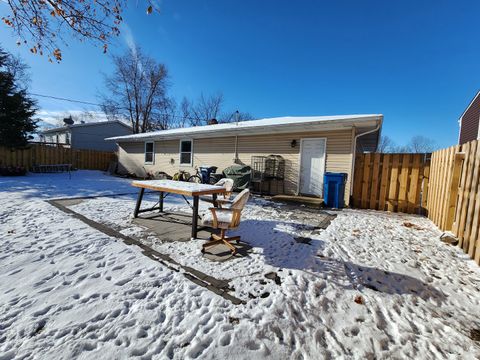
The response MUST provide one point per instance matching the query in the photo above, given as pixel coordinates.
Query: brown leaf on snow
(412, 225)
(359, 300)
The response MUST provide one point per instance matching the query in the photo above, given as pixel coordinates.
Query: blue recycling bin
(334, 189)
(206, 171)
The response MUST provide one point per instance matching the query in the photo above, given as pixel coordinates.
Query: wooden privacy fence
(39, 154)
(454, 200)
(446, 188)
(393, 182)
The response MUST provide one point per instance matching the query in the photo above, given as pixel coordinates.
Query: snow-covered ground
(372, 285)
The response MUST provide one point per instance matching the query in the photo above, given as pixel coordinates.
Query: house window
(186, 152)
(67, 138)
(149, 152)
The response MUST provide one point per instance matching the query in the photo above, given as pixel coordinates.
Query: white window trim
(180, 153)
(145, 153)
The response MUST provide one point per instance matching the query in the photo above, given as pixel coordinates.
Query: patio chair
(223, 199)
(225, 219)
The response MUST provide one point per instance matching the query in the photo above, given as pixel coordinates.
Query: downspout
(235, 159)
(379, 124)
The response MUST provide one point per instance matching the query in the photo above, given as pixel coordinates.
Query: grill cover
(240, 174)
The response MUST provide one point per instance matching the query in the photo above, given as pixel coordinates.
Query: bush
(12, 171)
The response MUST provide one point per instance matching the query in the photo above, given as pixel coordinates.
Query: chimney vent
(212, 122)
(68, 121)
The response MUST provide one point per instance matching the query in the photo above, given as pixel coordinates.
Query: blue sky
(415, 62)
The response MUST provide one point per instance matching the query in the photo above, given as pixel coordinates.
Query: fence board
(454, 186)
(469, 244)
(366, 181)
(392, 189)
(425, 185)
(357, 181)
(385, 181)
(403, 183)
(465, 195)
(413, 195)
(374, 187)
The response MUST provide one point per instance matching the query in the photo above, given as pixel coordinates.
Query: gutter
(379, 125)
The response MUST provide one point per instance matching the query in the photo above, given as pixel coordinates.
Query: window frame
(152, 152)
(180, 152)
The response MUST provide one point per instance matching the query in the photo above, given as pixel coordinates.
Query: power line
(65, 99)
(99, 105)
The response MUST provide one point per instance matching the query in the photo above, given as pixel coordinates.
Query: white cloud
(129, 38)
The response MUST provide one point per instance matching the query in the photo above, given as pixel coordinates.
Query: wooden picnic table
(183, 188)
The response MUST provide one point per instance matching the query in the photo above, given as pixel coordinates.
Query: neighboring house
(310, 146)
(469, 121)
(90, 136)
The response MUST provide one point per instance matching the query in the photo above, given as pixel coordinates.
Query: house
(469, 122)
(310, 147)
(90, 136)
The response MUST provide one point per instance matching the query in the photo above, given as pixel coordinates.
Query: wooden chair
(225, 219)
(225, 197)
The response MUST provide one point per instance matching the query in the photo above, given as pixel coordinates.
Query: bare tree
(417, 144)
(42, 23)
(19, 69)
(184, 116)
(421, 144)
(385, 144)
(205, 109)
(236, 116)
(137, 92)
(400, 149)
(166, 115)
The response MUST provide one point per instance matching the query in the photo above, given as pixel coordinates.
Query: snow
(69, 291)
(255, 125)
(177, 185)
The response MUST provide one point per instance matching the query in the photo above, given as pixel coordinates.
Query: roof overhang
(261, 127)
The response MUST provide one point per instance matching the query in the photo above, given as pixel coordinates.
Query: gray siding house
(89, 136)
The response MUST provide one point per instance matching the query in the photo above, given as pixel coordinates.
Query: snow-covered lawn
(372, 285)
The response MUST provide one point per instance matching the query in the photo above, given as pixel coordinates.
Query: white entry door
(312, 166)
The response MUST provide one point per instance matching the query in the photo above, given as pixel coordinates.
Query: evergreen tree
(16, 108)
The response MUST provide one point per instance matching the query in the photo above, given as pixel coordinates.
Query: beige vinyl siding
(220, 152)
(215, 152)
(339, 158)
